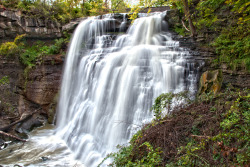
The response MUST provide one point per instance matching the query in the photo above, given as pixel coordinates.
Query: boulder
(35, 121)
(210, 81)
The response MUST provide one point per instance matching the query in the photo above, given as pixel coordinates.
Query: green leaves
(4, 80)
(124, 157)
(230, 144)
(165, 101)
(12, 48)
(34, 54)
(233, 46)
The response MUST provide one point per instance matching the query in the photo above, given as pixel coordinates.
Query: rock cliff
(29, 91)
(14, 22)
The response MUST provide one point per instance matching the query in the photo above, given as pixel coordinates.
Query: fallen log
(12, 136)
(7, 128)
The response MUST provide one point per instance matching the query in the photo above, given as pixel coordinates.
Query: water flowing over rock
(109, 85)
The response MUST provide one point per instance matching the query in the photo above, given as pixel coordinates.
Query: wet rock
(35, 121)
(44, 158)
(2, 144)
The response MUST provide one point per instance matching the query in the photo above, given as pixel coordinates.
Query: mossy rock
(210, 81)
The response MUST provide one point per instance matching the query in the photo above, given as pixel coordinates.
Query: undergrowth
(31, 55)
(224, 25)
(35, 53)
(212, 131)
(233, 46)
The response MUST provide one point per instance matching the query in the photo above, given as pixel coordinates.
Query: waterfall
(109, 83)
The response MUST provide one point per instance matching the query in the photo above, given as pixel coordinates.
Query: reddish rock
(33, 92)
(43, 81)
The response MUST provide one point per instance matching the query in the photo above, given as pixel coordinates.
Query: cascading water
(109, 85)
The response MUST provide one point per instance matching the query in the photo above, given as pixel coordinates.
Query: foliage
(212, 131)
(34, 54)
(119, 6)
(97, 8)
(8, 48)
(176, 4)
(133, 14)
(233, 46)
(150, 156)
(225, 26)
(230, 145)
(205, 11)
(4, 80)
(60, 10)
(19, 39)
(159, 3)
(29, 55)
(188, 155)
(12, 48)
(165, 101)
(64, 10)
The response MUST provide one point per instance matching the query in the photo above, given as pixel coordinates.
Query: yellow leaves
(243, 19)
(228, 1)
(149, 10)
(19, 38)
(8, 48)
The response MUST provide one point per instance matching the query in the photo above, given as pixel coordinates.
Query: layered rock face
(14, 22)
(29, 91)
(43, 81)
(9, 96)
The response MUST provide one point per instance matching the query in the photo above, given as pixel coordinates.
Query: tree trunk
(83, 1)
(11, 136)
(188, 16)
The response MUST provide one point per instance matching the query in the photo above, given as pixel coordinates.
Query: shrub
(168, 101)
(8, 49)
(233, 46)
(12, 48)
(4, 80)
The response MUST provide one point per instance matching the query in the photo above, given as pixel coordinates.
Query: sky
(133, 2)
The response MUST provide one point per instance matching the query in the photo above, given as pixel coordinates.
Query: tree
(118, 5)
(188, 16)
(183, 5)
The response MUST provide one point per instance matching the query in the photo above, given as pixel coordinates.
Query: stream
(42, 149)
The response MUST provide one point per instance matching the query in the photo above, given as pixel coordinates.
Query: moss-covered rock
(210, 81)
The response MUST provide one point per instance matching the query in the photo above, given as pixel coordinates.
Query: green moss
(218, 136)
(233, 46)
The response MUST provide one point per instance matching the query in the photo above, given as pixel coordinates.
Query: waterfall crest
(109, 85)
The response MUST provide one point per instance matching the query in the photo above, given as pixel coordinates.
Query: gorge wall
(29, 91)
(13, 22)
(35, 90)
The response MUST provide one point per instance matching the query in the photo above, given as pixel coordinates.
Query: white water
(109, 86)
